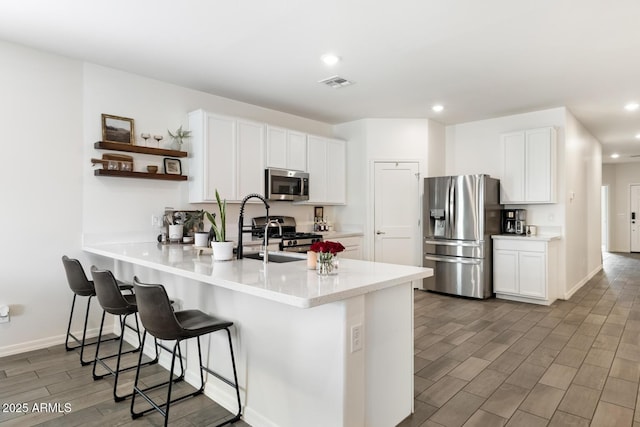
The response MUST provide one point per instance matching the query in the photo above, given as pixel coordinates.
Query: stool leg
(134, 414)
(66, 341)
(81, 344)
(97, 360)
(235, 378)
(173, 363)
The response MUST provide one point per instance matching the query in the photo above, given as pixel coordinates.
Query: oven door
(288, 185)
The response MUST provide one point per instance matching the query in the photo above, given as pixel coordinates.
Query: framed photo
(117, 129)
(172, 166)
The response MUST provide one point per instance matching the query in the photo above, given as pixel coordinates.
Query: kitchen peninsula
(310, 350)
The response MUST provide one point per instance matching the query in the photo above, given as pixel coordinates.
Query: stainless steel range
(285, 230)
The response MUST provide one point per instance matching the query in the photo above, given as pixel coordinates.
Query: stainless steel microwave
(282, 184)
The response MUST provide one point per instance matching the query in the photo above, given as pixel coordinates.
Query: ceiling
(480, 59)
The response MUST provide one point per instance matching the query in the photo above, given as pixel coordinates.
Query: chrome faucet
(241, 219)
(265, 258)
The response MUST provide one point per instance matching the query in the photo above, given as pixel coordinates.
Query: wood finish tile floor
(477, 363)
(499, 363)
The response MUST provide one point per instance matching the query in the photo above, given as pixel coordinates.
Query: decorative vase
(175, 233)
(222, 251)
(326, 264)
(201, 239)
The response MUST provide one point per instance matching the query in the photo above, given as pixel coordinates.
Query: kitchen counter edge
(539, 237)
(334, 289)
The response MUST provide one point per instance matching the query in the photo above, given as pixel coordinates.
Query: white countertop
(539, 237)
(288, 283)
(327, 235)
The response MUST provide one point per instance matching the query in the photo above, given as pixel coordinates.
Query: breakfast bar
(310, 350)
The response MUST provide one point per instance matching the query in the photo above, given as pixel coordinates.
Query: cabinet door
(532, 274)
(250, 166)
(276, 148)
(539, 165)
(297, 151)
(513, 178)
(219, 158)
(505, 271)
(352, 247)
(317, 168)
(336, 172)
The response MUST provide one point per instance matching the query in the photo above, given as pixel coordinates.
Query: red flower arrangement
(327, 247)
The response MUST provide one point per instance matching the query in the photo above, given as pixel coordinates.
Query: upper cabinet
(326, 163)
(227, 155)
(286, 149)
(230, 154)
(529, 159)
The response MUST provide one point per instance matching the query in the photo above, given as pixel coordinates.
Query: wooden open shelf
(101, 145)
(143, 175)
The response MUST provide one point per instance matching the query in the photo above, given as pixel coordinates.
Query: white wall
(475, 147)
(619, 177)
(41, 110)
(51, 107)
(583, 175)
(369, 140)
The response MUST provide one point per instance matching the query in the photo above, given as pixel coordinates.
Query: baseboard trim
(582, 282)
(44, 343)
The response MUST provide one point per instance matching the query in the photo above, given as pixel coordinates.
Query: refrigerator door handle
(449, 243)
(453, 259)
(451, 206)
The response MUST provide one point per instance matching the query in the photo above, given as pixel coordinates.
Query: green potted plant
(222, 249)
(194, 225)
(178, 136)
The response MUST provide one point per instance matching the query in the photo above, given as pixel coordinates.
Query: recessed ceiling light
(632, 106)
(437, 108)
(330, 59)
(637, 135)
(615, 155)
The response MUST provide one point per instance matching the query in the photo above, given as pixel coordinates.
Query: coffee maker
(514, 221)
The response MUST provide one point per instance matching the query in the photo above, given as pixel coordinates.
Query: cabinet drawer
(348, 241)
(520, 245)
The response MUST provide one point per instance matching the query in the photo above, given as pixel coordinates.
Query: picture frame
(172, 166)
(318, 212)
(118, 129)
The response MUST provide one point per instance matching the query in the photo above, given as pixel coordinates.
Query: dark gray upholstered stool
(118, 304)
(81, 286)
(163, 323)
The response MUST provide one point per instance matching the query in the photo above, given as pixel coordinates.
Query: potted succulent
(195, 225)
(222, 249)
(178, 136)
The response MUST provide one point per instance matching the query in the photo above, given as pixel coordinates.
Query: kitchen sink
(273, 257)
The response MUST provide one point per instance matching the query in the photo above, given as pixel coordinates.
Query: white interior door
(635, 218)
(396, 212)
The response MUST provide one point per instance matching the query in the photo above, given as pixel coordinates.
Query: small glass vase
(326, 264)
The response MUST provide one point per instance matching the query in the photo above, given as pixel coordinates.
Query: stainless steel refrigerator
(460, 213)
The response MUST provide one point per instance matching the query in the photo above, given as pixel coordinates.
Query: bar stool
(118, 304)
(163, 323)
(81, 286)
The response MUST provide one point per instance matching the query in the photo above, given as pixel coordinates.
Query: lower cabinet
(525, 270)
(352, 247)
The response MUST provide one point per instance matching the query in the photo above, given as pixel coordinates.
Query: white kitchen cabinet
(529, 163)
(525, 269)
(326, 164)
(227, 155)
(286, 149)
(352, 247)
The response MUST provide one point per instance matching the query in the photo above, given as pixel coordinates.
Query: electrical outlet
(356, 338)
(156, 221)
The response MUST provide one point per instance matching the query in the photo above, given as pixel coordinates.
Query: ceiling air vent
(336, 82)
(635, 155)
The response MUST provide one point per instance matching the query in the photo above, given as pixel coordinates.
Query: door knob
(380, 232)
